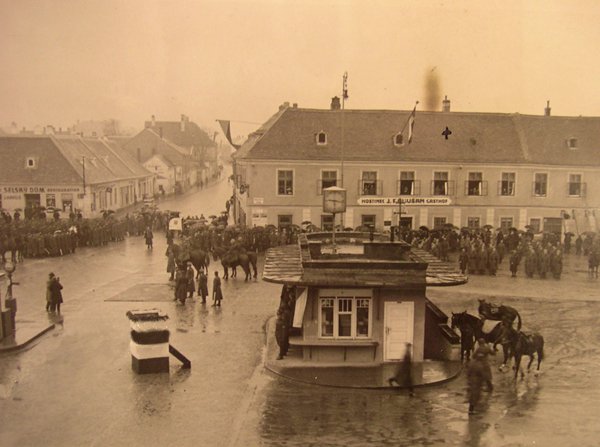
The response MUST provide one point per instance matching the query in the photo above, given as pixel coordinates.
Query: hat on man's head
(51, 275)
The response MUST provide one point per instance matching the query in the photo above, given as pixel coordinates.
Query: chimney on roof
(335, 103)
(547, 109)
(153, 121)
(182, 123)
(446, 104)
(295, 105)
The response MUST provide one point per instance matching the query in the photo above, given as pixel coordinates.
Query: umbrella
(487, 227)
(212, 216)
(569, 233)
(423, 228)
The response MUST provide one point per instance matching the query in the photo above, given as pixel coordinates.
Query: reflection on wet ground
(556, 408)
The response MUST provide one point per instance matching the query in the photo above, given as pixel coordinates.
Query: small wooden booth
(363, 301)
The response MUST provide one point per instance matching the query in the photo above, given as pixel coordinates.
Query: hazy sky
(63, 60)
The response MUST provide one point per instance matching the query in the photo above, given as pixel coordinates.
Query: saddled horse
(200, 259)
(491, 333)
(499, 313)
(526, 344)
(233, 258)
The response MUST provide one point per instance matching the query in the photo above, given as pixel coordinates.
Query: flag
(411, 125)
(226, 126)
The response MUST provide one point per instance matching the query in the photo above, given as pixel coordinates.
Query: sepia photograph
(328, 223)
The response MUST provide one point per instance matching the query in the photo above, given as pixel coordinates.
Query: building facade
(503, 170)
(69, 174)
(175, 170)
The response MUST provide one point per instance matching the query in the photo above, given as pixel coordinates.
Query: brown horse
(499, 313)
(526, 344)
(232, 259)
(471, 325)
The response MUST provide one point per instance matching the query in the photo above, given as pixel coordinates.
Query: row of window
(473, 222)
(441, 185)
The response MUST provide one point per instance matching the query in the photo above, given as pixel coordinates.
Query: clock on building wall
(334, 200)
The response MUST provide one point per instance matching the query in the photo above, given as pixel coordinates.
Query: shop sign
(39, 189)
(408, 201)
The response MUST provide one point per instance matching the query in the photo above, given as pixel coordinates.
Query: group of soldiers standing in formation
(481, 251)
(36, 237)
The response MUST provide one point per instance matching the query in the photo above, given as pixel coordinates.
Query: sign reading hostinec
(408, 201)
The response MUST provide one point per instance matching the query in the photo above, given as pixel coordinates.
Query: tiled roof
(191, 136)
(475, 138)
(150, 143)
(52, 166)
(102, 165)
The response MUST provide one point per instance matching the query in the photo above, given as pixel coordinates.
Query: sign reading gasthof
(408, 201)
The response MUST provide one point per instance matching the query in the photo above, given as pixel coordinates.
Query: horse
(467, 338)
(499, 313)
(526, 344)
(232, 258)
(200, 259)
(468, 323)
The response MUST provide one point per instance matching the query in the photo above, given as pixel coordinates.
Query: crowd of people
(482, 251)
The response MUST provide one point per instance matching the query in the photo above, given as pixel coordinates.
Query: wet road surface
(74, 386)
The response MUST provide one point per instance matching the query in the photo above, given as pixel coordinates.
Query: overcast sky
(64, 60)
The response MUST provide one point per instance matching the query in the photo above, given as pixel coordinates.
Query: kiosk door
(398, 328)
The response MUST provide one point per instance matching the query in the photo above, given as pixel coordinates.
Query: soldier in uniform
(514, 262)
(492, 261)
(463, 260)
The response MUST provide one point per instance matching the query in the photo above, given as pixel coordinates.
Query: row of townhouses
(93, 174)
(464, 169)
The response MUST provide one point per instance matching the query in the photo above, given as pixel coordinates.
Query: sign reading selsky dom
(462, 168)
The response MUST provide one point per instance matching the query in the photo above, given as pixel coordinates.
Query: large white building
(504, 170)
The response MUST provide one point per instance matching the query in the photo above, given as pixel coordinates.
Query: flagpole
(344, 96)
(412, 114)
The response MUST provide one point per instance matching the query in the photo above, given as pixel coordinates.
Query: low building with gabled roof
(174, 167)
(196, 142)
(69, 173)
(466, 169)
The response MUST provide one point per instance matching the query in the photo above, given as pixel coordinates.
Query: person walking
(170, 254)
(203, 286)
(148, 236)
(403, 375)
(49, 292)
(189, 274)
(181, 283)
(55, 288)
(481, 354)
(217, 294)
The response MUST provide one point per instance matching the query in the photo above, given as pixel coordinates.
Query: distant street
(74, 386)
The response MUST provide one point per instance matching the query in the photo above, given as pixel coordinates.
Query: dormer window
(30, 163)
(399, 139)
(321, 138)
(572, 143)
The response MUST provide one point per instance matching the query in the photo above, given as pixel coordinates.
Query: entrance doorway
(406, 223)
(399, 329)
(32, 200)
